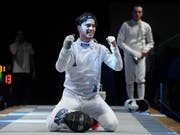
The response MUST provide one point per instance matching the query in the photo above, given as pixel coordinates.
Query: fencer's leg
(108, 122)
(55, 121)
(102, 112)
(140, 78)
(52, 126)
(130, 90)
(108, 119)
(129, 75)
(67, 101)
(141, 90)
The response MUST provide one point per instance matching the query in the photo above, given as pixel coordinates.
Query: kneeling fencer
(81, 60)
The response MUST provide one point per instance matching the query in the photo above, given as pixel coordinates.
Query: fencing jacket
(133, 37)
(82, 65)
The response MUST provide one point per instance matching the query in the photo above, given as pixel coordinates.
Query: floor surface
(31, 119)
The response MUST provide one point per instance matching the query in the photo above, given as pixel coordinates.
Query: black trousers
(21, 88)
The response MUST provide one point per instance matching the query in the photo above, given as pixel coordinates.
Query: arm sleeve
(149, 39)
(113, 59)
(63, 60)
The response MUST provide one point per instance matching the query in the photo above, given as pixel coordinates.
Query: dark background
(47, 23)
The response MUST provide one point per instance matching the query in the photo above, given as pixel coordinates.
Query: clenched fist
(68, 41)
(111, 40)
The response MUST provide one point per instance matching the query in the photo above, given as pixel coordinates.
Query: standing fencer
(135, 39)
(81, 60)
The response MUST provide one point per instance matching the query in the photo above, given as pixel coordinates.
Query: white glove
(68, 41)
(111, 40)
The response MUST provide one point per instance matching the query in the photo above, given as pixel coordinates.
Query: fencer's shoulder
(95, 43)
(126, 23)
(99, 45)
(146, 24)
(76, 43)
(28, 45)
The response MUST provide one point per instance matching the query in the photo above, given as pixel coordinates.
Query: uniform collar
(132, 22)
(85, 44)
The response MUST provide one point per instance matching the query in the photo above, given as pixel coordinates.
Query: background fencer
(136, 40)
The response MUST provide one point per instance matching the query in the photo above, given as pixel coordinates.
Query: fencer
(136, 40)
(81, 60)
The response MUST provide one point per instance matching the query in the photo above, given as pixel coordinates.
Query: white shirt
(21, 63)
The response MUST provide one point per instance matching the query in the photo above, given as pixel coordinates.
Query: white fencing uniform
(133, 37)
(82, 64)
